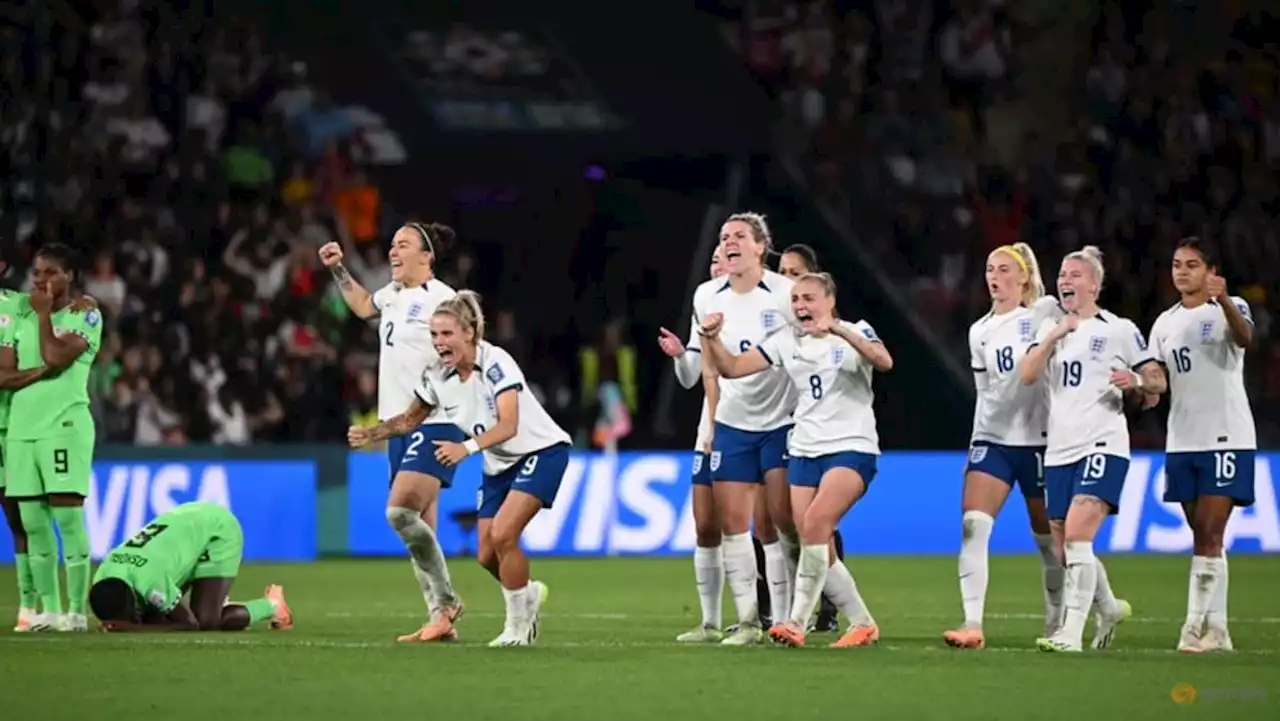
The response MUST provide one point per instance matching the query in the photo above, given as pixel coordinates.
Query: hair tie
(1012, 251)
(422, 230)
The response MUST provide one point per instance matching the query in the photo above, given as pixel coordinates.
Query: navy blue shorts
(808, 472)
(1209, 473)
(417, 452)
(1097, 475)
(745, 456)
(539, 474)
(701, 469)
(1021, 466)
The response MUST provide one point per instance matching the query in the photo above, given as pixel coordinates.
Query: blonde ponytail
(1034, 289)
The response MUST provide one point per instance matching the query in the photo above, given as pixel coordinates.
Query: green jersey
(159, 561)
(56, 406)
(12, 305)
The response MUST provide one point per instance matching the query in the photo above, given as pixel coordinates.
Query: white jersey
(404, 334)
(1086, 412)
(498, 374)
(1009, 412)
(761, 402)
(834, 413)
(1209, 409)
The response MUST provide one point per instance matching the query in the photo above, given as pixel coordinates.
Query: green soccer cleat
(701, 634)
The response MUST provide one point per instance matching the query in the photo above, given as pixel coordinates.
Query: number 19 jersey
(1209, 407)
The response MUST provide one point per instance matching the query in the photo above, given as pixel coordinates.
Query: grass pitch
(606, 653)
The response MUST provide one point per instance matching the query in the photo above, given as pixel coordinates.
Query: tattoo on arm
(342, 276)
(402, 423)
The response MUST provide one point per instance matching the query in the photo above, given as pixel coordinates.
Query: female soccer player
(525, 452)
(405, 307)
(1212, 441)
(751, 421)
(1009, 429)
(49, 455)
(798, 260)
(708, 564)
(1090, 357)
(833, 446)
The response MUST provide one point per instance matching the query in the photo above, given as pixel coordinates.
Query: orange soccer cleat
(282, 618)
(787, 634)
(439, 628)
(965, 638)
(858, 636)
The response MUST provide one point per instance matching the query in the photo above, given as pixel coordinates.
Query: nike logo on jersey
(450, 409)
(1088, 483)
(1223, 484)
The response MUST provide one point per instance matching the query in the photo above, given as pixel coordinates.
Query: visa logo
(123, 498)
(1146, 523)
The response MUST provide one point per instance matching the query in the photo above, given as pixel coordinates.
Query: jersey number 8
(815, 386)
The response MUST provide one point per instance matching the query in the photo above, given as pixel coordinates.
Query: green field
(606, 653)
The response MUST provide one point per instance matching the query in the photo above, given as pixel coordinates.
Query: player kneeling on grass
(195, 548)
(833, 446)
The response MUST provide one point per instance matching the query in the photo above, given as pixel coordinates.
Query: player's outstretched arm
(357, 297)
(12, 379)
(397, 426)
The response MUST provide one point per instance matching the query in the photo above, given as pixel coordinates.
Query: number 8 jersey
(834, 413)
(1209, 409)
(1086, 412)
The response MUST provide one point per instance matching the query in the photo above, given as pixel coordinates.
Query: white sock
(974, 541)
(843, 592)
(791, 561)
(708, 571)
(1217, 614)
(1082, 581)
(775, 572)
(429, 565)
(1103, 596)
(1053, 575)
(740, 572)
(811, 576)
(517, 607)
(1200, 590)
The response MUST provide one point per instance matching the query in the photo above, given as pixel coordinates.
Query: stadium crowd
(197, 173)
(1175, 131)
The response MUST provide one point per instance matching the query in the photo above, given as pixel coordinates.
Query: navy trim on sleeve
(978, 370)
(1143, 364)
(767, 359)
(512, 387)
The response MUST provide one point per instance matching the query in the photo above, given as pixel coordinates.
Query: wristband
(471, 446)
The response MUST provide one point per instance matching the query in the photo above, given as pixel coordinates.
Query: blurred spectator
(359, 205)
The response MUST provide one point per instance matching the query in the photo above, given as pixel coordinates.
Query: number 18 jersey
(1008, 412)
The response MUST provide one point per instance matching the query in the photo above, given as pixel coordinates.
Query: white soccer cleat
(540, 595)
(701, 634)
(72, 623)
(42, 622)
(25, 617)
(1105, 631)
(513, 635)
(1189, 639)
(1057, 645)
(1216, 639)
(744, 635)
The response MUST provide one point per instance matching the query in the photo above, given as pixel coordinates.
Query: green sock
(42, 554)
(260, 609)
(27, 596)
(75, 555)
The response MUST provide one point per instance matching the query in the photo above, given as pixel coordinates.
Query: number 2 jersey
(1008, 412)
(160, 560)
(1209, 407)
(404, 336)
(1086, 412)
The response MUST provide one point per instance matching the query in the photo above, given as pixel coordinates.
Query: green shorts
(221, 558)
(49, 465)
(3, 445)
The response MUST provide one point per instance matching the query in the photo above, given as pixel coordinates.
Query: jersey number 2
(391, 329)
(143, 537)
